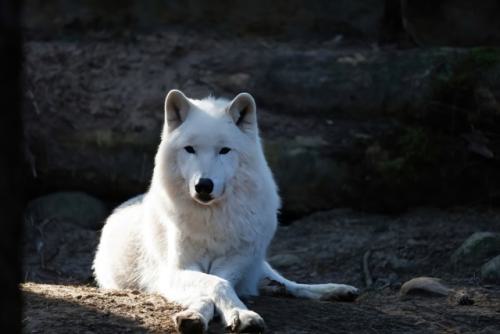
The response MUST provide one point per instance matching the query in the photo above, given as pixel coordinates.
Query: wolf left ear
(176, 109)
(244, 112)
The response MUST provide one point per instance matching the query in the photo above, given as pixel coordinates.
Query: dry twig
(366, 269)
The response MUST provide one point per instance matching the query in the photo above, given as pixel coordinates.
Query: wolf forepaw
(190, 322)
(246, 321)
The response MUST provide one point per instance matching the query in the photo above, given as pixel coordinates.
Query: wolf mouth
(204, 199)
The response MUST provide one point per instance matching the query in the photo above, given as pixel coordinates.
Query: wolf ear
(244, 112)
(176, 109)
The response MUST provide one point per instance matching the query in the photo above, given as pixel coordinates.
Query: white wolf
(199, 236)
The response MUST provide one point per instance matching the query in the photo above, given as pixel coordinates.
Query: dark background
(11, 165)
(379, 105)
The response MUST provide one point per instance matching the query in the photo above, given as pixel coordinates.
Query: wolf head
(205, 143)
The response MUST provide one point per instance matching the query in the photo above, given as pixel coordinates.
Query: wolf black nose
(204, 186)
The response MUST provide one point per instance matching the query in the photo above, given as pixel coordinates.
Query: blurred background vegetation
(379, 105)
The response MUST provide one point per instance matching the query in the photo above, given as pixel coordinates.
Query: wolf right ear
(244, 112)
(176, 109)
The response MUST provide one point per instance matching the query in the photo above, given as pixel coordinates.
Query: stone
(293, 18)
(336, 133)
(58, 251)
(79, 208)
(296, 178)
(424, 285)
(490, 271)
(460, 297)
(478, 248)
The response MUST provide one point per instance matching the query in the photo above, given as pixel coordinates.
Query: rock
(443, 23)
(460, 297)
(293, 18)
(77, 207)
(425, 285)
(58, 251)
(478, 248)
(490, 271)
(341, 81)
(305, 187)
(338, 129)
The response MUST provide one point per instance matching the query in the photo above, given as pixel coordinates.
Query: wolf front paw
(340, 292)
(246, 321)
(190, 322)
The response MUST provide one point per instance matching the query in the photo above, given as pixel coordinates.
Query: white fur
(202, 255)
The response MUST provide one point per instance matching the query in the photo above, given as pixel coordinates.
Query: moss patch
(455, 85)
(414, 151)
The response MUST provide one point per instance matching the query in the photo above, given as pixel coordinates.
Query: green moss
(453, 103)
(483, 57)
(459, 78)
(414, 150)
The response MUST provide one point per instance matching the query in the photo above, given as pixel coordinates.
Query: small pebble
(424, 285)
(460, 297)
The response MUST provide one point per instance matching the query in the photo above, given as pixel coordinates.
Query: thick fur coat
(199, 236)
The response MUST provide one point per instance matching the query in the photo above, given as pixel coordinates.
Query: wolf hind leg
(328, 291)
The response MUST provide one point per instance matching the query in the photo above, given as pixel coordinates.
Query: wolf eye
(189, 149)
(224, 150)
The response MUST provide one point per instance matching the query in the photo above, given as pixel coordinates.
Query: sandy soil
(325, 247)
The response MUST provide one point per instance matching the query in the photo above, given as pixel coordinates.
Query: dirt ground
(324, 247)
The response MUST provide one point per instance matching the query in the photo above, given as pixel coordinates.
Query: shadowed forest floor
(324, 247)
